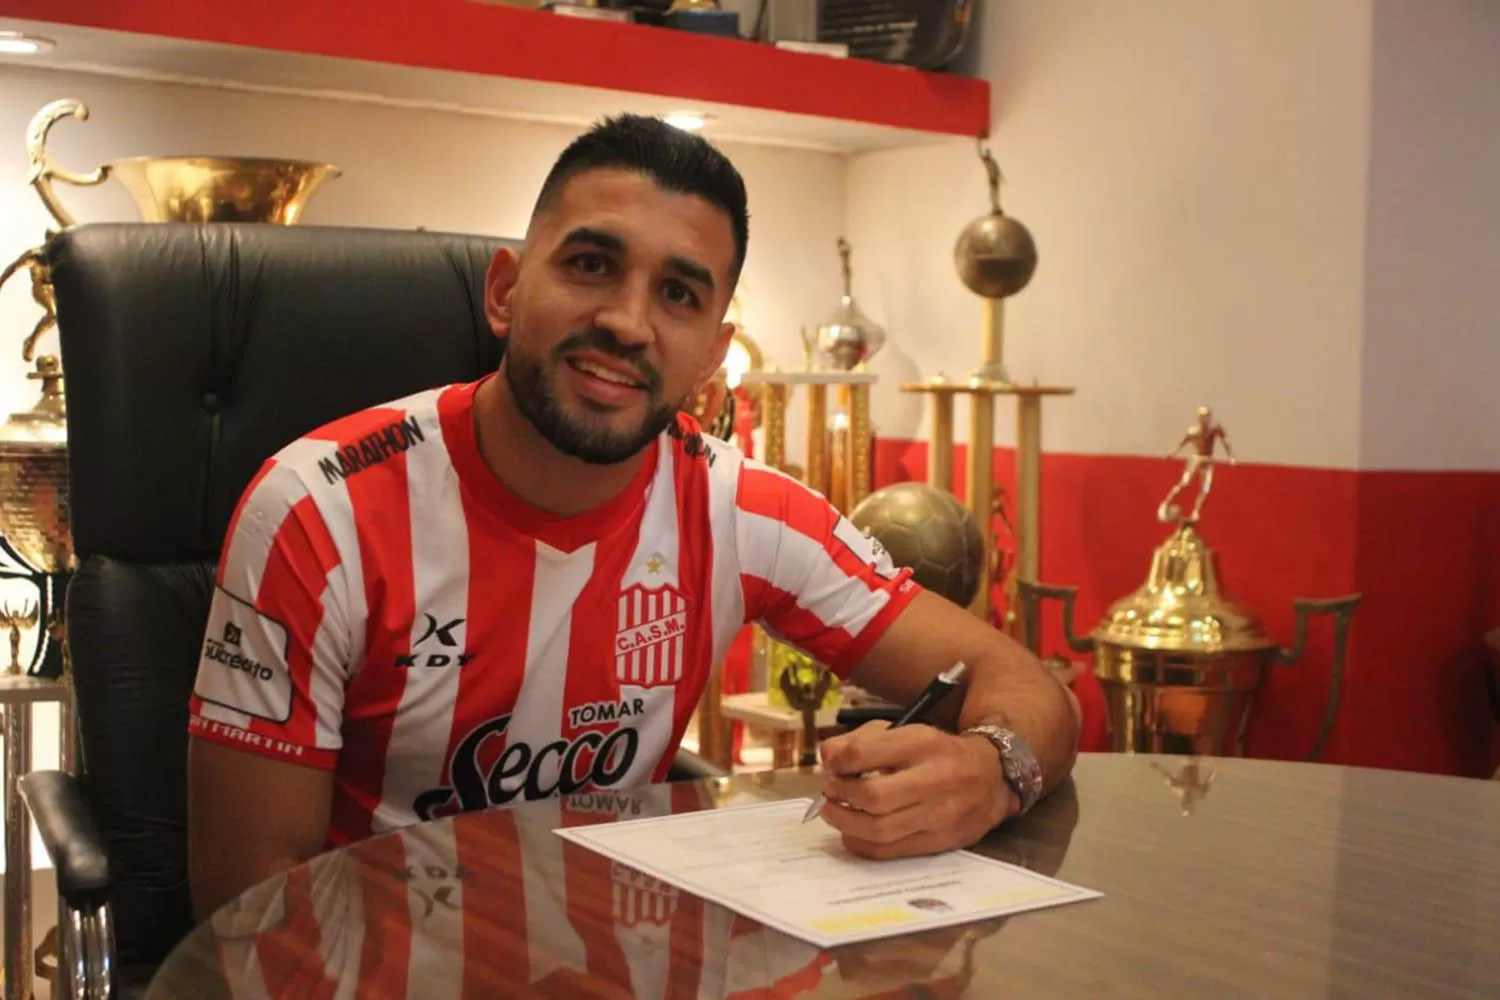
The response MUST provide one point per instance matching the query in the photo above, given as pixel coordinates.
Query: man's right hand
(249, 817)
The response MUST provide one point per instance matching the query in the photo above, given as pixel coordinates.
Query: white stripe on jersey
(343, 602)
(264, 510)
(802, 566)
(435, 903)
(558, 578)
(440, 575)
(339, 909)
(552, 940)
(263, 514)
(658, 545)
(728, 596)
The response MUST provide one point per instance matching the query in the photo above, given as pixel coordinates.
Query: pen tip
(953, 673)
(813, 809)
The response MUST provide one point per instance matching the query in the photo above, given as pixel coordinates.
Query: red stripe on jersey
(695, 556)
(686, 970)
(591, 910)
(378, 496)
(234, 519)
(591, 676)
(291, 964)
(501, 568)
(775, 496)
(385, 953)
(835, 648)
(291, 589)
(498, 955)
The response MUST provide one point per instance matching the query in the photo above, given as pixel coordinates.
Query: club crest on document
(651, 635)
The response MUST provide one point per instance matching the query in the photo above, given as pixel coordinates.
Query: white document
(763, 862)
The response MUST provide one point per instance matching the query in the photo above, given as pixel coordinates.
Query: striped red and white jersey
(386, 608)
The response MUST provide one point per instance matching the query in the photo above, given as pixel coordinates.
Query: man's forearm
(1010, 688)
(214, 884)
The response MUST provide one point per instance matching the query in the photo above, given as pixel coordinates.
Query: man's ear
(499, 283)
(716, 358)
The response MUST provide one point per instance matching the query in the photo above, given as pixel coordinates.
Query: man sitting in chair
(505, 590)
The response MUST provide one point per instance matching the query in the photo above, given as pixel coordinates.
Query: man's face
(614, 315)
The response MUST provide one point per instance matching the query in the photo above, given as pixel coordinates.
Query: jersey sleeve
(274, 658)
(809, 576)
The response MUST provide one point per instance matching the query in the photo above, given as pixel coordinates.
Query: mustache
(601, 340)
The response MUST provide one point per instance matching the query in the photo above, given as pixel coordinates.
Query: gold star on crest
(654, 565)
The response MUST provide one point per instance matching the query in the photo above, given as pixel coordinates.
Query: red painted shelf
(478, 38)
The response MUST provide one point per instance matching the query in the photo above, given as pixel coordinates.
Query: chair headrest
(194, 352)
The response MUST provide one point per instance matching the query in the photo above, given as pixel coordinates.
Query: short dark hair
(676, 160)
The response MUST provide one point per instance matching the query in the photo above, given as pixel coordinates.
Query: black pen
(926, 701)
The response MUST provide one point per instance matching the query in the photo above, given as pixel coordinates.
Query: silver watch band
(1018, 764)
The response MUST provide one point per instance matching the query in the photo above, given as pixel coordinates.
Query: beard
(585, 436)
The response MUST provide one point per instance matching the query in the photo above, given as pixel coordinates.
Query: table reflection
(495, 904)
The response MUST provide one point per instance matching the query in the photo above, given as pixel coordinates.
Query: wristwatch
(1019, 765)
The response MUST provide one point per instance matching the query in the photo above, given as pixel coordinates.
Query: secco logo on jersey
(562, 767)
(650, 640)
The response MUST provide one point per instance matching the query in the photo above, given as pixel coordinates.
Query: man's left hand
(925, 790)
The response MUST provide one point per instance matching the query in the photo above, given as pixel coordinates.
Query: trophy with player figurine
(1181, 662)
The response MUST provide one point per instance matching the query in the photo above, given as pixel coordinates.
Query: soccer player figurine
(1203, 436)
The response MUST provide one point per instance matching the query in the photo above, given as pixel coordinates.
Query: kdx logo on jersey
(651, 636)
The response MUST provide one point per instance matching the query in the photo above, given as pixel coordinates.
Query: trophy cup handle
(43, 171)
(1342, 609)
(1031, 595)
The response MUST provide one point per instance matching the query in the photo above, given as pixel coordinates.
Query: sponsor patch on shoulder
(865, 547)
(243, 663)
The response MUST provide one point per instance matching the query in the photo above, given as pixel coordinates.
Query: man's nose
(627, 313)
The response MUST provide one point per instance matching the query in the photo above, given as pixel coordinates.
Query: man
(525, 591)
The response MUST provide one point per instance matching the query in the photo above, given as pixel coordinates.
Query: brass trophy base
(1180, 662)
(981, 472)
(1179, 704)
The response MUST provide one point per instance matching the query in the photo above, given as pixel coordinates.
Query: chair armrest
(70, 835)
(687, 765)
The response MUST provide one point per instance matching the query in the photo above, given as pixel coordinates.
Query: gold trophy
(17, 620)
(806, 687)
(185, 189)
(1179, 661)
(181, 188)
(996, 257)
(34, 515)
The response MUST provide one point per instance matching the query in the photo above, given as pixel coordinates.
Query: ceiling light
(688, 121)
(13, 43)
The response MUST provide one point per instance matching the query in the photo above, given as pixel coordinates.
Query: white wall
(1194, 174)
(1432, 325)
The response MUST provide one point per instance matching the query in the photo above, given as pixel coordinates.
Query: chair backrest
(192, 353)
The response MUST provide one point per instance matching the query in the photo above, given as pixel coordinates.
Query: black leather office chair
(192, 354)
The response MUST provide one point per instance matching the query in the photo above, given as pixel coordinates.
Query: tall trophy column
(995, 257)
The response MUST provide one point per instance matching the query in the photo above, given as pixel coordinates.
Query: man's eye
(680, 294)
(590, 263)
